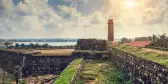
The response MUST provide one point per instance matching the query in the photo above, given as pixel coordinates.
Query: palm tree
(154, 38)
(162, 40)
(159, 41)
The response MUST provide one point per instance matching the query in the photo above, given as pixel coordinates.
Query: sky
(82, 18)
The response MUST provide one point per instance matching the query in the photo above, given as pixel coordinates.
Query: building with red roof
(138, 43)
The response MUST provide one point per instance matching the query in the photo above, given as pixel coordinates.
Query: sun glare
(131, 4)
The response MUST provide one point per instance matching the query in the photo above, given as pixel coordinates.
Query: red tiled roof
(139, 43)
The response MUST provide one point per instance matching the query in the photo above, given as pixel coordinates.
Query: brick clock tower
(110, 30)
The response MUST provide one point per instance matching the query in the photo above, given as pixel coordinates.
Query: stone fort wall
(91, 44)
(33, 65)
(139, 70)
(46, 64)
(9, 61)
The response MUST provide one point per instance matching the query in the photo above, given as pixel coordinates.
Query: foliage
(17, 45)
(8, 79)
(67, 75)
(142, 38)
(159, 41)
(31, 45)
(115, 78)
(45, 45)
(125, 40)
(22, 45)
(7, 43)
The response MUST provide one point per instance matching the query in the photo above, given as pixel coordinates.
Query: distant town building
(138, 43)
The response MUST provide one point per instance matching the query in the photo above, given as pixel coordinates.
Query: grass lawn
(152, 56)
(43, 52)
(99, 72)
(158, 48)
(68, 73)
(55, 52)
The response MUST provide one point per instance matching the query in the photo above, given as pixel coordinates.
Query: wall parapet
(139, 70)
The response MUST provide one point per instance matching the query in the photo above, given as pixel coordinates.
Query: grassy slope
(157, 48)
(99, 72)
(152, 56)
(90, 51)
(67, 75)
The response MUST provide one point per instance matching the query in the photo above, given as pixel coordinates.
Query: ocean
(49, 43)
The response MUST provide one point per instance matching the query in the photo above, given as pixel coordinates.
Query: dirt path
(157, 51)
(91, 82)
(40, 79)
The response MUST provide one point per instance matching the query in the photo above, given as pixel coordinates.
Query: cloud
(35, 18)
(6, 4)
(80, 19)
(146, 18)
(29, 18)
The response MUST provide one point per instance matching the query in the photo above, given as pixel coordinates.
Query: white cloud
(36, 18)
(6, 4)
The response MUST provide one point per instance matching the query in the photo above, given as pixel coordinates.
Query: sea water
(49, 43)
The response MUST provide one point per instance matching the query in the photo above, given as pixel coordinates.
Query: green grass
(100, 72)
(8, 78)
(67, 75)
(151, 56)
(157, 48)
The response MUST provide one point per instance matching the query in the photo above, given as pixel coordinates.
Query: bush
(115, 78)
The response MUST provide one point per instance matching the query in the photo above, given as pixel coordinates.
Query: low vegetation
(152, 56)
(7, 78)
(157, 48)
(100, 72)
(160, 41)
(39, 46)
(124, 40)
(31, 45)
(157, 41)
(68, 74)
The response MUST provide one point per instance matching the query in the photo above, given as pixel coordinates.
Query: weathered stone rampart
(33, 65)
(140, 71)
(46, 64)
(91, 44)
(9, 61)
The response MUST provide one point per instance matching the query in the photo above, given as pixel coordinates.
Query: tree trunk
(17, 81)
(3, 77)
